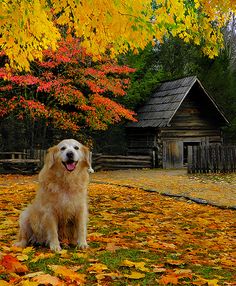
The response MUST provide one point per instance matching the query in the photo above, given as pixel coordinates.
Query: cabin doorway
(185, 150)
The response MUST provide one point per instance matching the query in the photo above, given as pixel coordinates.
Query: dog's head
(69, 154)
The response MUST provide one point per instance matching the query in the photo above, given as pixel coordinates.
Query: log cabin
(180, 113)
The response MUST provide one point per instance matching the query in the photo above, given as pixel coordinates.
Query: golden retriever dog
(59, 210)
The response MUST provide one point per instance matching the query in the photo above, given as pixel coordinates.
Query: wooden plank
(120, 167)
(12, 155)
(116, 161)
(19, 161)
(139, 151)
(122, 157)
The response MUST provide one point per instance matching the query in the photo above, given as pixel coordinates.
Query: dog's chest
(69, 204)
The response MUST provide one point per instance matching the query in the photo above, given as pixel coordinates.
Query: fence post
(190, 159)
(153, 159)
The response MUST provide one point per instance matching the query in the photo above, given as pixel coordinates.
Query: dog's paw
(55, 247)
(82, 245)
(21, 243)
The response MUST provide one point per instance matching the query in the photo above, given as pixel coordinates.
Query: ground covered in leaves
(215, 189)
(135, 238)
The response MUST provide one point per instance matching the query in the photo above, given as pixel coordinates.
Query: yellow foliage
(28, 27)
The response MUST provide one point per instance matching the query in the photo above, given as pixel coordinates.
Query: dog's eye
(63, 148)
(76, 147)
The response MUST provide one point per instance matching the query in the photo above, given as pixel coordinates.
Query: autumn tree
(29, 27)
(67, 89)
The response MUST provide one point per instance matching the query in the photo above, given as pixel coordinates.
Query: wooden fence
(106, 162)
(211, 159)
(36, 154)
(26, 161)
(117, 162)
(99, 162)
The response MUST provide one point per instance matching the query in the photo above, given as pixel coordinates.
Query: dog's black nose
(70, 155)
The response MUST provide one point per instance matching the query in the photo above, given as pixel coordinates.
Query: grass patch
(208, 272)
(114, 259)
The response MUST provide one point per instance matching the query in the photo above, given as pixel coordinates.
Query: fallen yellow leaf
(135, 275)
(67, 273)
(4, 283)
(28, 283)
(22, 257)
(98, 267)
(213, 282)
(42, 256)
(137, 265)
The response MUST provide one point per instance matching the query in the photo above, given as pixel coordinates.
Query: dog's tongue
(70, 166)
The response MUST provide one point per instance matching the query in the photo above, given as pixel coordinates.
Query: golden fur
(59, 210)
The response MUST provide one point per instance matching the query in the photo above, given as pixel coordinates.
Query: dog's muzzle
(70, 164)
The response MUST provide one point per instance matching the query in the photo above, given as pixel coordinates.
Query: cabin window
(186, 144)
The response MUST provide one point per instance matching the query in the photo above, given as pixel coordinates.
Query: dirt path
(217, 189)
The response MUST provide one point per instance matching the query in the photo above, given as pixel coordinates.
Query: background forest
(174, 58)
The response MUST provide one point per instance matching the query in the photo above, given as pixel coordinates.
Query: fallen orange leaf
(47, 279)
(12, 264)
(112, 247)
(170, 278)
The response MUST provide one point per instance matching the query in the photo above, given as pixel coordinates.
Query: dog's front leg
(51, 228)
(81, 228)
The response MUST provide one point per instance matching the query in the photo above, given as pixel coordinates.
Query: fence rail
(211, 159)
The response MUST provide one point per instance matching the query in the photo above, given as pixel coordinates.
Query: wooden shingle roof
(164, 103)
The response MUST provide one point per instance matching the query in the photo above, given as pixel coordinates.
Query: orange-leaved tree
(67, 89)
(28, 27)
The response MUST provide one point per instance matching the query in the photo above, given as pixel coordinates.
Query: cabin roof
(164, 103)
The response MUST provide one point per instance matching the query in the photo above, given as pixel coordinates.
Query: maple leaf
(29, 283)
(12, 264)
(212, 282)
(103, 277)
(135, 275)
(42, 256)
(22, 257)
(112, 247)
(28, 250)
(4, 283)
(98, 267)
(68, 273)
(175, 262)
(169, 279)
(159, 269)
(137, 265)
(161, 245)
(47, 279)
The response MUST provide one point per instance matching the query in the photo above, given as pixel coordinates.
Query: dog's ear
(50, 157)
(87, 159)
